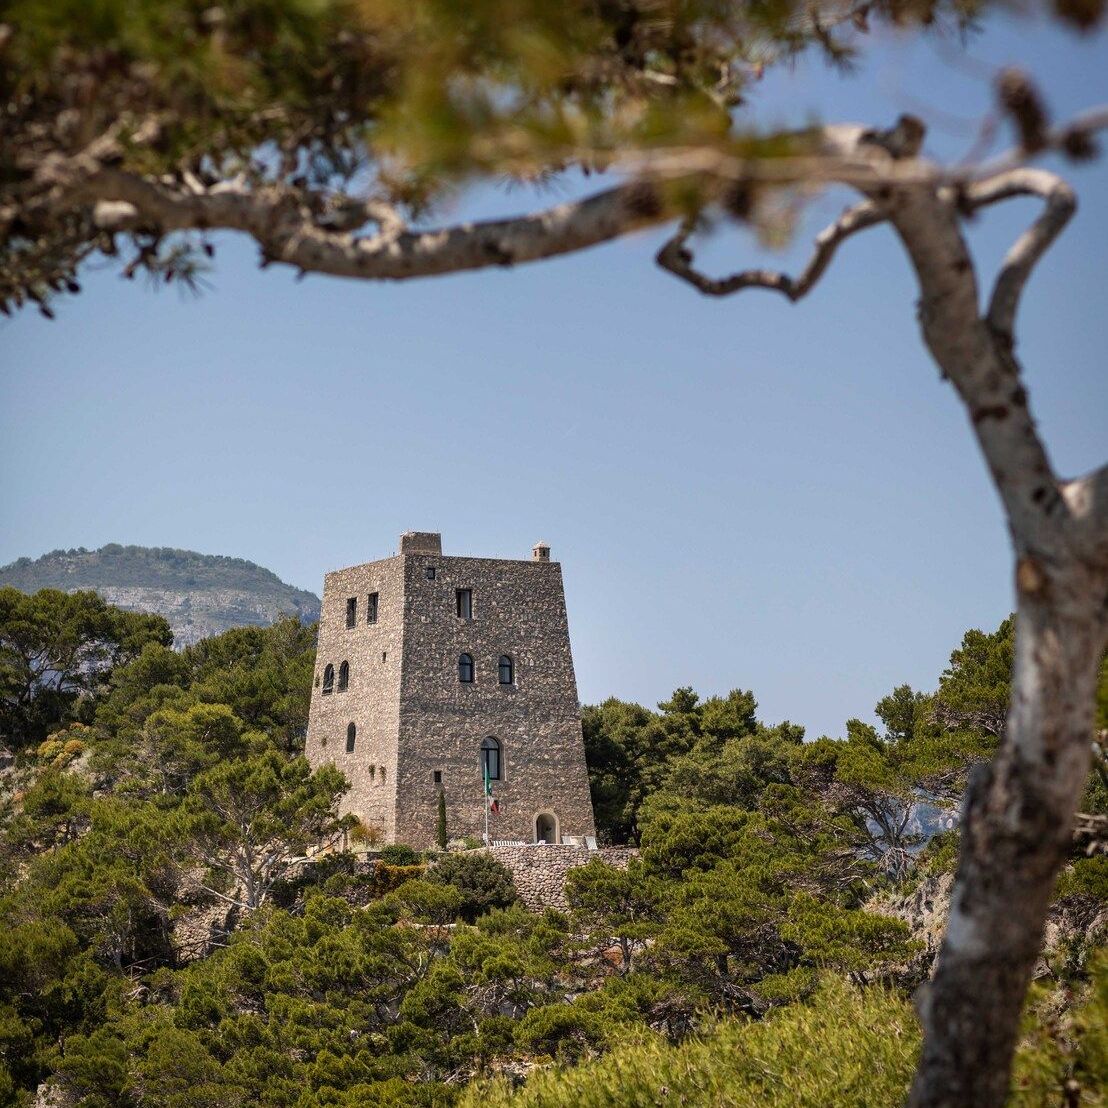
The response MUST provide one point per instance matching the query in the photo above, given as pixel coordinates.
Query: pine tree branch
(1026, 251)
(280, 223)
(676, 257)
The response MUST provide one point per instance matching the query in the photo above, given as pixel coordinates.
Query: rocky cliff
(199, 594)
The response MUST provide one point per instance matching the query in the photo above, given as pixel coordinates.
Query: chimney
(540, 552)
(421, 542)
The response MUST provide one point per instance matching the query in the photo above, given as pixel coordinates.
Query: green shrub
(564, 1031)
(386, 878)
(846, 1048)
(1064, 1053)
(483, 882)
(364, 834)
(397, 854)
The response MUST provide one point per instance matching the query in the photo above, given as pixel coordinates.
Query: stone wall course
(539, 872)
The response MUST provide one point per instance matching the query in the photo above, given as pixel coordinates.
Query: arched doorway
(546, 827)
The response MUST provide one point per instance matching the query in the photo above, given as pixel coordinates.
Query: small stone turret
(421, 542)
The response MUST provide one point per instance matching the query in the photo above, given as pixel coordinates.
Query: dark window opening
(351, 736)
(465, 603)
(352, 611)
(507, 669)
(384, 655)
(371, 608)
(430, 573)
(465, 669)
(490, 759)
(344, 676)
(546, 828)
(328, 679)
(438, 777)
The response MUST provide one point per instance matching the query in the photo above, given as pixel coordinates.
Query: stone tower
(431, 669)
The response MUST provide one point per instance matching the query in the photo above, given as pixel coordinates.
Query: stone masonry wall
(372, 700)
(518, 610)
(539, 872)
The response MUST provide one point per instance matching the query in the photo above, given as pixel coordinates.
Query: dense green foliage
(56, 648)
(166, 943)
(842, 1048)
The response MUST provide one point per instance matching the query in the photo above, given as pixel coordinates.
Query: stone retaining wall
(539, 871)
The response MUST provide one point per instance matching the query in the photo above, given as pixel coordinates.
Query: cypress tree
(441, 832)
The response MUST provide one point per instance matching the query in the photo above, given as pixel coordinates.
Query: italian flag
(491, 802)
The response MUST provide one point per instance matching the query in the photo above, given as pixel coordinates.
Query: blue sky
(742, 492)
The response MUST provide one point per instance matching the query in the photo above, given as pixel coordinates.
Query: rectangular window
(352, 611)
(465, 603)
(438, 777)
(371, 608)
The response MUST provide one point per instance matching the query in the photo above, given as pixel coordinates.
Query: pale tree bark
(1018, 814)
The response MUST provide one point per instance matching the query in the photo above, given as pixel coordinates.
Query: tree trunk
(1015, 836)
(1018, 813)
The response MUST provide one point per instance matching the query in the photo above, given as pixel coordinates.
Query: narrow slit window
(429, 572)
(328, 679)
(351, 611)
(344, 676)
(465, 603)
(351, 738)
(465, 669)
(371, 608)
(507, 670)
(438, 777)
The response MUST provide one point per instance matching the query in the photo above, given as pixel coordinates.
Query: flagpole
(485, 767)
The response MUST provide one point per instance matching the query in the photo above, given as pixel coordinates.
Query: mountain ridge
(199, 594)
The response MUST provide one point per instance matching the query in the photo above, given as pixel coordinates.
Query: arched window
(507, 670)
(490, 759)
(465, 668)
(328, 679)
(344, 676)
(546, 827)
(351, 736)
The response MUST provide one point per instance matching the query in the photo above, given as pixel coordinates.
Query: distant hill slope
(200, 594)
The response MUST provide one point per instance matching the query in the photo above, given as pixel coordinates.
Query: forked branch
(1026, 251)
(678, 258)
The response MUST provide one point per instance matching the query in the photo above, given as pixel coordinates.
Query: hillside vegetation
(199, 594)
(182, 926)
